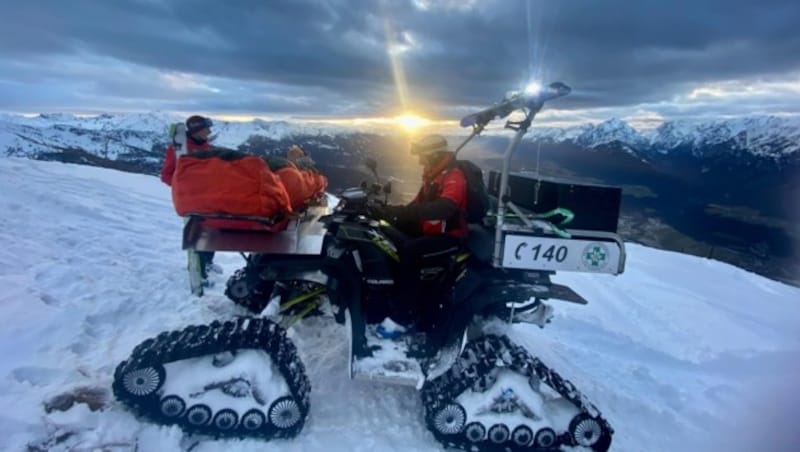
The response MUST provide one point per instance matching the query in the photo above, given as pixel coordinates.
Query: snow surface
(679, 352)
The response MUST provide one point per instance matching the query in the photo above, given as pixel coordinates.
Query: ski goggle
(200, 124)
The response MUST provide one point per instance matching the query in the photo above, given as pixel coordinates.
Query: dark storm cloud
(330, 56)
(617, 52)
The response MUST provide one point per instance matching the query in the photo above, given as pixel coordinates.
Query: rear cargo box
(596, 207)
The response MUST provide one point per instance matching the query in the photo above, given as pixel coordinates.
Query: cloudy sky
(637, 59)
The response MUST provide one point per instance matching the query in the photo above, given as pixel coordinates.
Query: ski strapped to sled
(485, 426)
(177, 135)
(141, 381)
(194, 266)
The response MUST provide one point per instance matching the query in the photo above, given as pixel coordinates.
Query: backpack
(477, 194)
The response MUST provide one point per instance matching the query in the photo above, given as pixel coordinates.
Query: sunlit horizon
(641, 118)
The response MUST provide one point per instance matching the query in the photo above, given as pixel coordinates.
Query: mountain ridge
(771, 137)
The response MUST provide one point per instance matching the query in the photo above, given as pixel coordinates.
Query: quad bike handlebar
(531, 99)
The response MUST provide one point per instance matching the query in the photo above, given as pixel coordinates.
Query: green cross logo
(595, 255)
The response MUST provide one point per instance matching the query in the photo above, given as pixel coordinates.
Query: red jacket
(168, 170)
(445, 182)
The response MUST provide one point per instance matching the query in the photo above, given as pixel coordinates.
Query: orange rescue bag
(228, 182)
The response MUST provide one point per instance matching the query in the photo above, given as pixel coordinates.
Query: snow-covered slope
(677, 350)
(612, 130)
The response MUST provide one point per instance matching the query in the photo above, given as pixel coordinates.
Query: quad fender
(485, 290)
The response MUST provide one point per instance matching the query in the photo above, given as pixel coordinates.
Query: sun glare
(411, 122)
(533, 88)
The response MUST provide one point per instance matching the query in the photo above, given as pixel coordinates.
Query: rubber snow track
(476, 369)
(245, 289)
(138, 380)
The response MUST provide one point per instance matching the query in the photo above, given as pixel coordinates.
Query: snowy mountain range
(142, 136)
(133, 142)
(760, 136)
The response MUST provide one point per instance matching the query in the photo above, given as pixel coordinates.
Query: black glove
(399, 215)
(389, 213)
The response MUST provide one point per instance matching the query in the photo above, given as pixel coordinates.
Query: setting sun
(411, 122)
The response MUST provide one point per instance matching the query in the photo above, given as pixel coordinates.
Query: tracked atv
(480, 391)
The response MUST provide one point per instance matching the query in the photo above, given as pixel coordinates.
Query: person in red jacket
(439, 209)
(198, 129)
(435, 223)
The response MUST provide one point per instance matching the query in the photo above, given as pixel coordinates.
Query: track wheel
(587, 431)
(198, 415)
(545, 438)
(226, 419)
(172, 406)
(522, 435)
(238, 288)
(144, 382)
(450, 419)
(475, 432)
(245, 289)
(499, 433)
(284, 413)
(253, 420)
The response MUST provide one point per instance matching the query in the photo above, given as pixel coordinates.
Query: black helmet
(197, 123)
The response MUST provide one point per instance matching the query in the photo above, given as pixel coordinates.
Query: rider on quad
(435, 225)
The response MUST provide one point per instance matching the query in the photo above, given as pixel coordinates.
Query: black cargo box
(596, 207)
